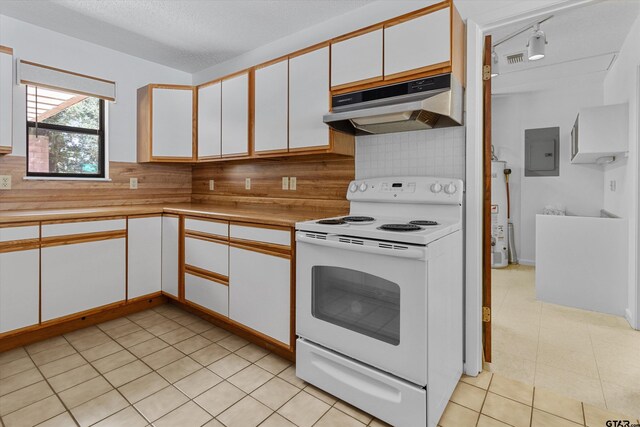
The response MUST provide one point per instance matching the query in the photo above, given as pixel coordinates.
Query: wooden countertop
(286, 217)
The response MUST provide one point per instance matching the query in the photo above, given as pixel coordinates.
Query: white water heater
(499, 220)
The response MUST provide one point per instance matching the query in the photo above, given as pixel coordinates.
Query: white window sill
(53, 178)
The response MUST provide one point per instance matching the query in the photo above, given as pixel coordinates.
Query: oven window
(357, 301)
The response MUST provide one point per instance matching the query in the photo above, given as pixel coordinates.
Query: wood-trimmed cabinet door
(19, 277)
(418, 44)
(83, 266)
(166, 123)
(210, 121)
(260, 296)
(235, 116)
(309, 100)
(6, 100)
(357, 60)
(170, 254)
(271, 132)
(144, 255)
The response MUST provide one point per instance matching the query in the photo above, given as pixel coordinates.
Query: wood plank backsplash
(157, 183)
(322, 181)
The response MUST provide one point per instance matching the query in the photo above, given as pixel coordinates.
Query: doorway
(540, 342)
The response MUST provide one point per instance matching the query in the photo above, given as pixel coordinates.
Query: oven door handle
(412, 253)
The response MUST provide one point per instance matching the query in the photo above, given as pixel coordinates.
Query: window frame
(100, 132)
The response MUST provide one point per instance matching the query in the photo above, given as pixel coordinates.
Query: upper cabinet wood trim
(357, 33)
(6, 49)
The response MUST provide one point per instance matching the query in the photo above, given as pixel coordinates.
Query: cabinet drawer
(217, 228)
(207, 293)
(208, 255)
(392, 400)
(274, 236)
(8, 234)
(81, 227)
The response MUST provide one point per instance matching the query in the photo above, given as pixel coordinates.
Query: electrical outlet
(5, 182)
(285, 183)
(247, 183)
(292, 183)
(612, 185)
(133, 183)
(212, 185)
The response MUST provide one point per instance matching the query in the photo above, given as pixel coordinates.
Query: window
(65, 134)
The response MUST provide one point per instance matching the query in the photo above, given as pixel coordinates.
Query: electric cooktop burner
(423, 222)
(399, 227)
(331, 221)
(358, 219)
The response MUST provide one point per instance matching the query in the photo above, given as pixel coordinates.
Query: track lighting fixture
(536, 44)
(495, 63)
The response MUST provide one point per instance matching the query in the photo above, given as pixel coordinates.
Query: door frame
(516, 12)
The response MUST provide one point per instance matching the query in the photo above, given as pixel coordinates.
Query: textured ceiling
(188, 35)
(581, 41)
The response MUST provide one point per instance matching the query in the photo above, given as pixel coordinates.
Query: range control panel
(407, 190)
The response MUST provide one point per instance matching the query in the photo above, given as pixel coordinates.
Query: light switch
(247, 183)
(285, 183)
(211, 185)
(292, 183)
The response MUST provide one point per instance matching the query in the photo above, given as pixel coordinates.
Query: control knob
(353, 188)
(436, 188)
(450, 188)
(363, 186)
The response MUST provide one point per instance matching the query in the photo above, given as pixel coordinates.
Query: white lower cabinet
(260, 292)
(144, 256)
(207, 293)
(19, 289)
(170, 261)
(81, 276)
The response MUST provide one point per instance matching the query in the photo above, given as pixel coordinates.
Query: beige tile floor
(165, 367)
(588, 356)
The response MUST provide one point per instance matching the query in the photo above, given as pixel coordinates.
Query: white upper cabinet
(235, 115)
(271, 107)
(6, 100)
(418, 43)
(210, 121)
(357, 59)
(309, 100)
(172, 123)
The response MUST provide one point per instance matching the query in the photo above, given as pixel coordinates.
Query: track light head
(495, 64)
(536, 44)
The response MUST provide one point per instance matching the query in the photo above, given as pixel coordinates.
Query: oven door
(364, 301)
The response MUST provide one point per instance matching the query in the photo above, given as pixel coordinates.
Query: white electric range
(379, 298)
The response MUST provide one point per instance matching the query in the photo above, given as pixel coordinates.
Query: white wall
(622, 85)
(578, 189)
(47, 47)
(435, 152)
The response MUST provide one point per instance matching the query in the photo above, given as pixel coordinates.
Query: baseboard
(63, 325)
(527, 262)
(264, 341)
(629, 317)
